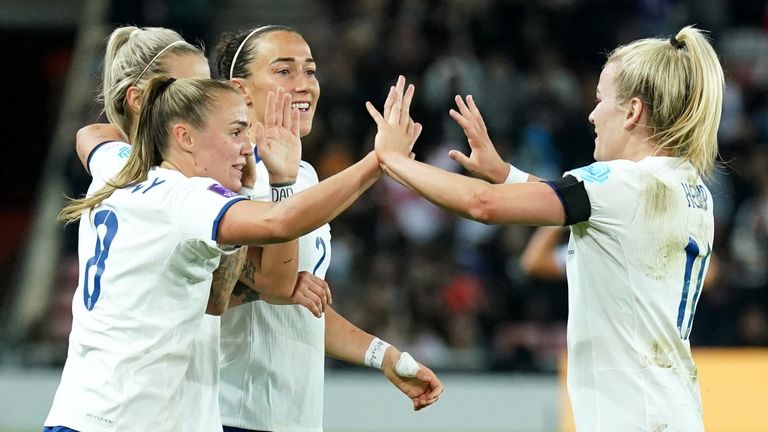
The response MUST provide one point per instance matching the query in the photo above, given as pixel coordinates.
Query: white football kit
(200, 389)
(635, 273)
(147, 254)
(272, 362)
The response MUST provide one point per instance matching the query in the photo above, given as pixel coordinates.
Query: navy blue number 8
(319, 244)
(108, 219)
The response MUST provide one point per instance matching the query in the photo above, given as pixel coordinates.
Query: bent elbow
(216, 310)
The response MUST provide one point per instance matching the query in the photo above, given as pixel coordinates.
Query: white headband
(155, 58)
(240, 48)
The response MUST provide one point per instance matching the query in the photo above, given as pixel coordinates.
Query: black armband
(574, 197)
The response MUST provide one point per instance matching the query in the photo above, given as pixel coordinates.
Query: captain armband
(280, 192)
(574, 198)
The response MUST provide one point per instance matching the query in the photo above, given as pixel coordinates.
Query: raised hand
(278, 139)
(311, 292)
(423, 389)
(397, 132)
(483, 161)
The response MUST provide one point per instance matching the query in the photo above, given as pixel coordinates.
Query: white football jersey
(147, 254)
(272, 362)
(635, 272)
(200, 388)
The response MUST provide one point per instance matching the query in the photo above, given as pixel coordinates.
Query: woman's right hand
(311, 292)
(397, 132)
(484, 161)
(278, 139)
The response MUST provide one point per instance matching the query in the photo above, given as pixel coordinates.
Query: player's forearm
(269, 274)
(451, 191)
(272, 269)
(321, 203)
(259, 223)
(224, 279)
(343, 340)
(530, 203)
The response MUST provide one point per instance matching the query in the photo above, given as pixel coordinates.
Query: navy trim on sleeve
(221, 214)
(93, 150)
(574, 198)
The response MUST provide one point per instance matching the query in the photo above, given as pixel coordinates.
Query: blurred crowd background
(450, 291)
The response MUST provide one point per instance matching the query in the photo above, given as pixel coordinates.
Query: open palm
(278, 138)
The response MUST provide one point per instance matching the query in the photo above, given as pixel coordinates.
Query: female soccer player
(641, 227)
(273, 367)
(134, 56)
(151, 237)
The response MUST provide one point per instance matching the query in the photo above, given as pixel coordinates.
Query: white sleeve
(612, 190)
(199, 205)
(261, 188)
(107, 159)
(307, 177)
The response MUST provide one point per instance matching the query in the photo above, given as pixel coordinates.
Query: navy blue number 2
(104, 236)
(319, 244)
(691, 253)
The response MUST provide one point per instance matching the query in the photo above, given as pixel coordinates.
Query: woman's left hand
(424, 388)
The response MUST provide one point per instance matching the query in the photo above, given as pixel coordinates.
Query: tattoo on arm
(249, 271)
(226, 275)
(245, 293)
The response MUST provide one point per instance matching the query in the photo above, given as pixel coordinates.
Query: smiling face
(609, 118)
(283, 59)
(221, 147)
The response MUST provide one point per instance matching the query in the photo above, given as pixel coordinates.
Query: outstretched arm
(345, 341)
(523, 203)
(532, 203)
(253, 222)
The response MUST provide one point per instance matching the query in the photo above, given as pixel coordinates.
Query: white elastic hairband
(240, 48)
(155, 58)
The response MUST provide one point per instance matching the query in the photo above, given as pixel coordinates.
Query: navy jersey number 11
(106, 228)
(691, 252)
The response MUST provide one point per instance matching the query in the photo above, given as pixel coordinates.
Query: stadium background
(449, 291)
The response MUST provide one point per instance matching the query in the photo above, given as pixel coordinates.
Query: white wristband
(375, 353)
(516, 176)
(246, 192)
(281, 192)
(406, 366)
